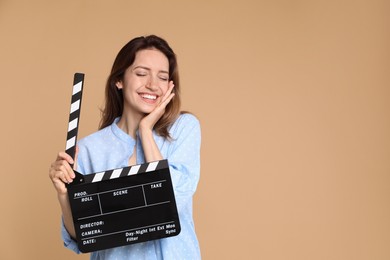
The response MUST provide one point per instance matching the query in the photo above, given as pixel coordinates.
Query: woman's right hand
(61, 172)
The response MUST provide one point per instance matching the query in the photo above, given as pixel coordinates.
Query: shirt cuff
(68, 241)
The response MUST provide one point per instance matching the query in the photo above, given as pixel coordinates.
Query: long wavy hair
(114, 97)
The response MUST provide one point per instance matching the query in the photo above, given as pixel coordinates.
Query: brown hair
(125, 58)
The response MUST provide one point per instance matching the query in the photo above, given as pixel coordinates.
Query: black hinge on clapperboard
(120, 206)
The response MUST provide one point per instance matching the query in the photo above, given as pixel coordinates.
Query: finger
(65, 156)
(165, 102)
(64, 173)
(169, 91)
(62, 169)
(58, 176)
(62, 176)
(70, 172)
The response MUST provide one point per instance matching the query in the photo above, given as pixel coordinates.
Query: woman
(141, 122)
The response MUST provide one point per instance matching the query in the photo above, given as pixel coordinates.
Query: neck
(129, 123)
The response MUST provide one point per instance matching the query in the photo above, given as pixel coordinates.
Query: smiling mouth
(148, 96)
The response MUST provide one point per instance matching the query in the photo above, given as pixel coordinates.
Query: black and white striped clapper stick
(123, 172)
(74, 114)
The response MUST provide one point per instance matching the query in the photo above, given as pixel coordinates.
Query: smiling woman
(141, 122)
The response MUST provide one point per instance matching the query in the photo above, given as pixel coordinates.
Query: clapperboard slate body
(121, 206)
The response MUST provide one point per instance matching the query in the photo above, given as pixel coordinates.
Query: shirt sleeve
(68, 241)
(184, 159)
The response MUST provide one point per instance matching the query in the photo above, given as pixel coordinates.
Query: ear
(119, 85)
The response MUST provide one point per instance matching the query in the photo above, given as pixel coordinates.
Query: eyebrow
(146, 68)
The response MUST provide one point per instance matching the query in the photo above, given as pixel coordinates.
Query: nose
(152, 84)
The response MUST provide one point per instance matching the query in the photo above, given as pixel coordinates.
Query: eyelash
(143, 75)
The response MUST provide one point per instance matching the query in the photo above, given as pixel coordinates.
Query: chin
(147, 111)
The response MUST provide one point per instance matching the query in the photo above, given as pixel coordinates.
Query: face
(145, 82)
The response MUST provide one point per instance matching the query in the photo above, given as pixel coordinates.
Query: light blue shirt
(111, 148)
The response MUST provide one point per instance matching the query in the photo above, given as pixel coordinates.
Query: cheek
(164, 87)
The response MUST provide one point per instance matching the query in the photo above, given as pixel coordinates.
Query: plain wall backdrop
(293, 99)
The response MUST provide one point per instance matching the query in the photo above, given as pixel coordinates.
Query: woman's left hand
(148, 122)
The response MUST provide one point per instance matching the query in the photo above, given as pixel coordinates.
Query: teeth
(149, 96)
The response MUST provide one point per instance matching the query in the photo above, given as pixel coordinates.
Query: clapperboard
(120, 206)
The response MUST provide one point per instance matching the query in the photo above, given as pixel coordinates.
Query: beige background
(293, 97)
